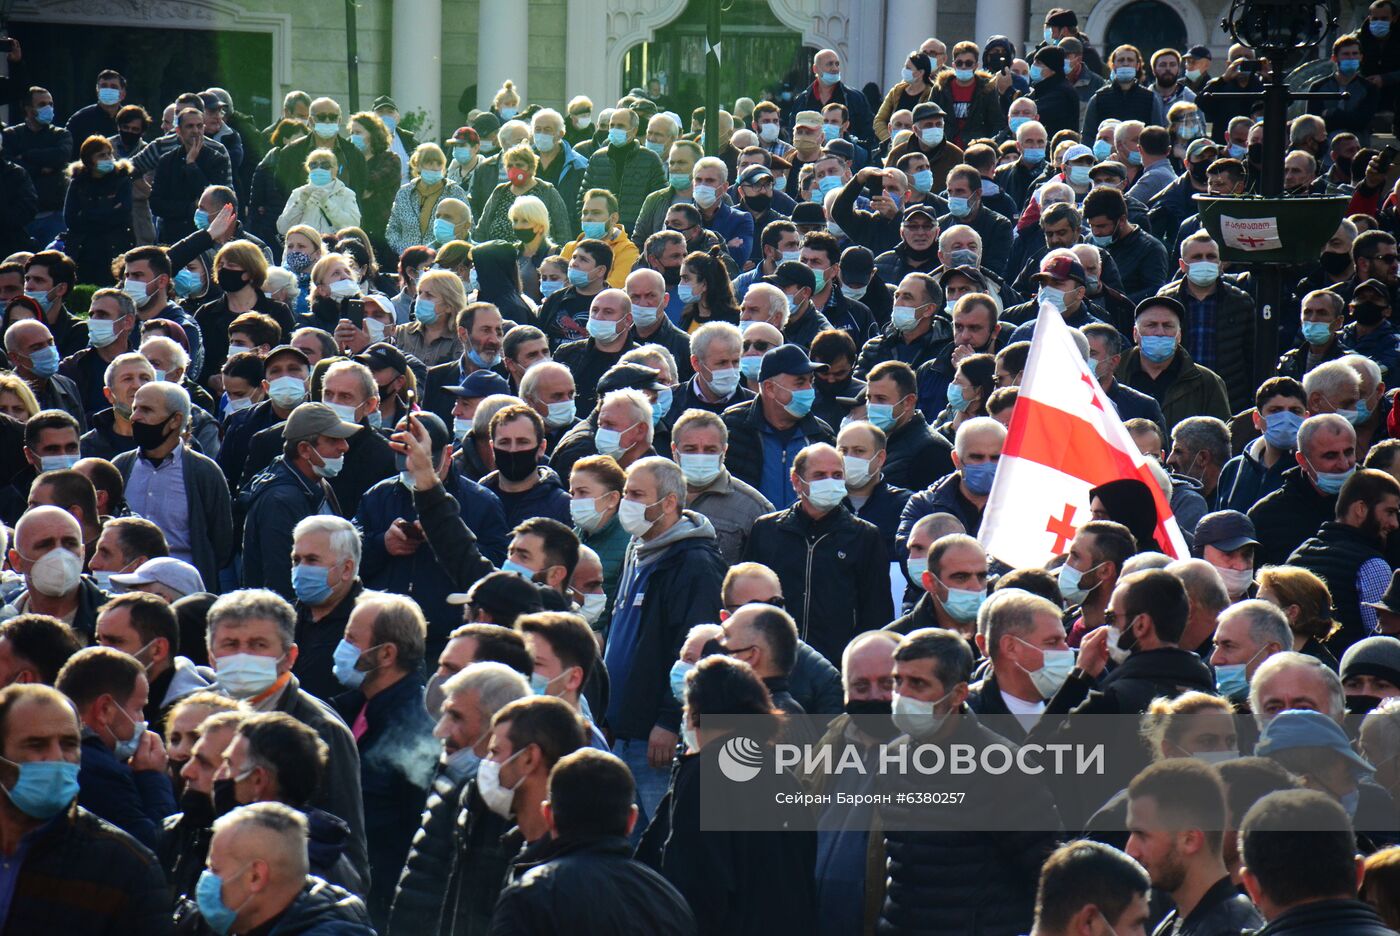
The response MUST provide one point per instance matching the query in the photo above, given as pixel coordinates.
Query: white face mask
(498, 799)
(1237, 581)
(56, 573)
(699, 468)
(826, 493)
(243, 675)
(592, 607)
(1054, 670)
(633, 517)
(857, 471)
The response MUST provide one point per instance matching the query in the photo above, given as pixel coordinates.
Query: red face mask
(517, 176)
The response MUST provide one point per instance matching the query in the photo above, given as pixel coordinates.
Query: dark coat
(277, 501)
(316, 643)
(421, 886)
(452, 541)
(1057, 103)
(482, 853)
(837, 564)
(916, 456)
(1328, 918)
(323, 909)
(1134, 102)
(1234, 338)
(631, 172)
(944, 496)
(179, 184)
(890, 345)
(857, 107)
(984, 117)
(744, 459)
(17, 208)
(122, 886)
(1335, 553)
(44, 154)
(97, 211)
(397, 752)
(1288, 516)
(368, 461)
(136, 802)
(589, 886)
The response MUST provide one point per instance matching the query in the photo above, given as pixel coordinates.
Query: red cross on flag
(1065, 439)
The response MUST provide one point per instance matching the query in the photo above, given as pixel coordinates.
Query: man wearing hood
(143, 626)
(671, 580)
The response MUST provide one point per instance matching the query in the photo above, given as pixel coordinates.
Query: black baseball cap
(1226, 530)
(792, 273)
(787, 359)
(630, 376)
(857, 265)
(381, 355)
(480, 384)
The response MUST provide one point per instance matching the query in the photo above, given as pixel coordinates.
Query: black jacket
(368, 461)
(1222, 909)
(744, 458)
(397, 752)
(323, 909)
(890, 345)
(436, 399)
(1285, 518)
(122, 886)
(1142, 260)
(421, 885)
(482, 853)
(1057, 103)
(184, 842)
(1335, 554)
(276, 501)
(589, 886)
(1328, 918)
(179, 184)
(995, 231)
(837, 564)
(916, 456)
(688, 397)
(962, 880)
(1234, 338)
(588, 365)
(1113, 100)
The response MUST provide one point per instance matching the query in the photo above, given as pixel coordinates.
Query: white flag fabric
(1065, 439)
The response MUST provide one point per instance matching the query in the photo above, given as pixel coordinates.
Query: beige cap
(807, 119)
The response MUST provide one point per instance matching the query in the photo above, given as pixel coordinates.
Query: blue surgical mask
(1035, 155)
(931, 136)
(44, 788)
(1236, 151)
(560, 413)
(594, 229)
(319, 177)
(1281, 429)
(209, 896)
(979, 477)
(123, 749)
(577, 278)
(109, 97)
(1203, 272)
(186, 282)
(657, 148)
(550, 287)
(1135, 157)
(507, 112)
(963, 74)
(463, 154)
(1079, 175)
(959, 206)
(344, 662)
(750, 366)
(916, 569)
(645, 316)
(443, 230)
(602, 331)
(685, 293)
(1101, 240)
(201, 219)
(1056, 297)
(1379, 28)
(1316, 333)
(57, 462)
(963, 604)
(957, 400)
(101, 333)
(904, 319)
(1014, 123)
(1330, 482)
(617, 136)
(517, 569)
(923, 181)
(44, 362)
(1231, 682)
(1125, 74)
(326, 129)
(679, 670)
(881, 414)
(1102, 150)
(679, 180)
(830, 132)
(830, 78)
(390, 122)
(425, 310)
(906, 75)
(1036, 72)
(311, 583)
(1158, 348)
(662, 406)
(801, 403)
(359, 142)
(45, 114)
(1070, 584)
(430, 176)
(104, 166)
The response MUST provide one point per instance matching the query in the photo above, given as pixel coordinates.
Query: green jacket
(1197, 390)
(638, 175)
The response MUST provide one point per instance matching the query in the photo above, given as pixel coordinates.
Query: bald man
(48, 552)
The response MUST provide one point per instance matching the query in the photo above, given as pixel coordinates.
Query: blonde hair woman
(16, 399)
(415, 206)
(324, 203)
(432, 335)
(506, 103)
(1307, 603)
(529, 226)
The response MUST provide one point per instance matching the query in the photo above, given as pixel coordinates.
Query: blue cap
(1302, 728)
(787, 359)
(480, 384)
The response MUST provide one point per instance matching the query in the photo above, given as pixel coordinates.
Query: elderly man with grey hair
(1248, 634)
(765, 302)
(1326, 458)
(1291, 680)
(259, 865)
(325, 559)
(715, 349)
(699, 442)
(670, 582)
(111, 317)
(1021, 634)
(650, 323)
(252, 646)
(176, 488)
(471, 698)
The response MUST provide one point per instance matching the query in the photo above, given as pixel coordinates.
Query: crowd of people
(389, 522)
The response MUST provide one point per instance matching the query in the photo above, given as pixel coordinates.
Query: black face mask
(524, 235)
(130, 140)
(672, 276)
(1369, 313)
(1198, 171)
(1127, 640)
(868, 706)
(1345, 166)
(197, 807)
(225, 800)
(231, 280)
(1256, 154)
(150, 436)
(758, 203)
(515, 466)
(1333, 263)
(1361, 704)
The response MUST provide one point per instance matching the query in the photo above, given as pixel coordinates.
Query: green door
(758, 54)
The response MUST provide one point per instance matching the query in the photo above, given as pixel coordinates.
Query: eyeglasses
(758, 345)
(776, 601)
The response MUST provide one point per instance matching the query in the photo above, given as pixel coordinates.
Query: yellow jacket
(625, 254)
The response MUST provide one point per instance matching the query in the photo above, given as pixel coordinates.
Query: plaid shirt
(1200, 328)
(1372, 579)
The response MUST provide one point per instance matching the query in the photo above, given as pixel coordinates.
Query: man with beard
(1176, 818)
(1348, 552)
(185, 844)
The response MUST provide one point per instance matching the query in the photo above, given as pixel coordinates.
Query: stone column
(503, 48)
(1001, 18)
(907, 23)
(416, 78)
